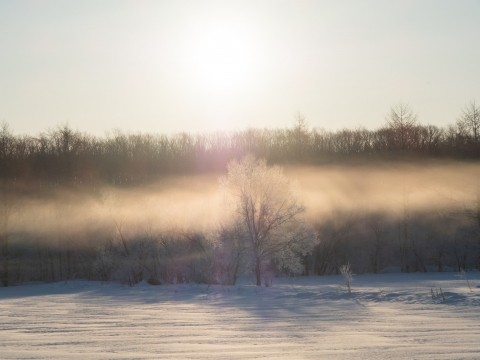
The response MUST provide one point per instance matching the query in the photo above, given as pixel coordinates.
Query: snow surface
(388, 316)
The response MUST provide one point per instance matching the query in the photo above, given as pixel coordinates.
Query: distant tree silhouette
(469, 121)
(402, 122)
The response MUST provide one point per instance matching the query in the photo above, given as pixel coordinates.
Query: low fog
(391, 188)
(197, 203)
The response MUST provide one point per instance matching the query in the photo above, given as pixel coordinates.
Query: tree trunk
(5, 256)
(258, 271)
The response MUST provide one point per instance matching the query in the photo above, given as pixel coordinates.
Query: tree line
(67, 156)
(266, 235)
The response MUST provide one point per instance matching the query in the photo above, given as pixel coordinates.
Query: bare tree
(5, 205)
(473, 213)
(401, 116)
(376, 225)
(229, 253)
(470, 120)
(300, 138)
(266, 208)
(6, 209)
(403, 122)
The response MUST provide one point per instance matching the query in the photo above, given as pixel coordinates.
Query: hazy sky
(170, 66)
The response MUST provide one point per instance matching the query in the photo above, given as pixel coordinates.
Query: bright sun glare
(222, 60)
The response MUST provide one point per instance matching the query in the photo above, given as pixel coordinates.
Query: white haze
(196, 203)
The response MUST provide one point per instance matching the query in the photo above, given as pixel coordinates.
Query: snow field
(388, 316)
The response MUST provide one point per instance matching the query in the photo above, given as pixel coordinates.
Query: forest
(171, 208)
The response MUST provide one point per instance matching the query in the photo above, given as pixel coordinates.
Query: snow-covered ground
(388, 316)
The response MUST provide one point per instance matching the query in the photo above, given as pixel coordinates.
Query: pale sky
(200, 66)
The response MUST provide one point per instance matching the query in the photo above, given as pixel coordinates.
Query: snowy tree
(347, 275)
(267, 210)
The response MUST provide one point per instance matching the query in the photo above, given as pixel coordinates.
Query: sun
(222, 59)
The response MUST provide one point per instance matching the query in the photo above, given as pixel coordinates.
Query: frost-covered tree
(267, 210)
(347, 274)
